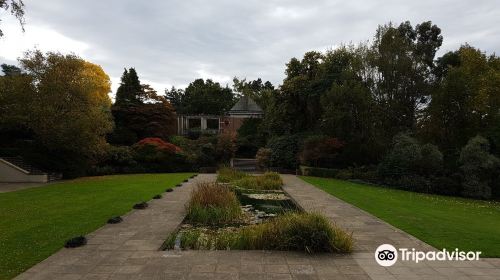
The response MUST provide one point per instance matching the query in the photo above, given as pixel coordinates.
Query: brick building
(245, 108)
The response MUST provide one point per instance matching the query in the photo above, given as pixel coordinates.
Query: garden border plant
(212, 204)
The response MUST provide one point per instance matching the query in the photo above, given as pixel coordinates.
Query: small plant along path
(130, 249)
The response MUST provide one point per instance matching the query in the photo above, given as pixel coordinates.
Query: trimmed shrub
(76, 242)
(115, 220)
(284, 151)
(158, 196)
(169, 190)
(141, 205)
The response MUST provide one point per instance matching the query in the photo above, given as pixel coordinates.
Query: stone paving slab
(129, 250)
(12, 187)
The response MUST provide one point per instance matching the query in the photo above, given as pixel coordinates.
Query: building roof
(245, 105)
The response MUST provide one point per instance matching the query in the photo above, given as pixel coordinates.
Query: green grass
(35, 223)
(443, 222)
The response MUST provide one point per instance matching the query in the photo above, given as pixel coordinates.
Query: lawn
(443, 222)
(34, 223)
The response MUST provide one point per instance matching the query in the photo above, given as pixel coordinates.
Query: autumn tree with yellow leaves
(61, 104)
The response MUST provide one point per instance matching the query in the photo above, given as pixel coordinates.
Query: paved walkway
(129, 250)
(12, 187)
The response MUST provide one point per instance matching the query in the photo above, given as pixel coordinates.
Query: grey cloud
(170, 42)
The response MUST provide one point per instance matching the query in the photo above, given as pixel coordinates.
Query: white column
(203, 123)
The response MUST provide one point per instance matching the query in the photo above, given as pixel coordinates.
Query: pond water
(276, 202)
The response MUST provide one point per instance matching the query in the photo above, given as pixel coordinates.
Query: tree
(16, 8)
(348, 107)
(260, 92)
(202, 97)
(11, 70)
(467, 100)
(402, 59)
(130, 89)
(297, 106)
(479, 167)
(63, 102)
(139, 112)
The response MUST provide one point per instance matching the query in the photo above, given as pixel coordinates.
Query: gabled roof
(245, 105)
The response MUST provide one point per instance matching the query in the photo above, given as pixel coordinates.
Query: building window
(213, 124)
(194, 124)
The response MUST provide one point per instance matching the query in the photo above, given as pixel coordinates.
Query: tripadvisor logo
(387, 255)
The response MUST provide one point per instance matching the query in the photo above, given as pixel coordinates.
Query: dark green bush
(284, 151)
(320, 151)
(413, 183)
(479, 167)
(247, 147)
(141, 205)
(76, 242)
(344, 174)
(319, 172)
(431, 161)
(115, 220)
(154, 159)
(446, 185)
(402, 159)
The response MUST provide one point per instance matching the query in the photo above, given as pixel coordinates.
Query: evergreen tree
(130, 89)
(139, 112)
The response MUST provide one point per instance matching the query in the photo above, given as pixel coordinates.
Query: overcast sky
(174, 42)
